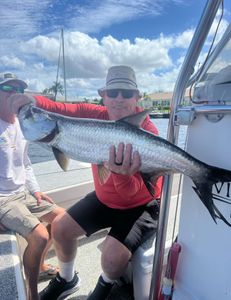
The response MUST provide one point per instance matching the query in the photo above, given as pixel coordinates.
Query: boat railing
(214, 113)
(186, 71)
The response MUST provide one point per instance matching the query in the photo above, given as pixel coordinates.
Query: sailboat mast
(64, 67)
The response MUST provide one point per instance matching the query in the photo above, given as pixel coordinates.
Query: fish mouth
(48, 138)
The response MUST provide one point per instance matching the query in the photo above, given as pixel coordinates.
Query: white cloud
(39, 66)
(12, 62)
(31, 38)
(87, 59)
(24, 19)
(36, 85)
(221, 29)
(143, 54)
(150, 82)
(104, 13)
(42, 46)
(183, 40)
(21, 18)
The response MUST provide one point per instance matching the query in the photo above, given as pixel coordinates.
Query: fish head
(36, 124)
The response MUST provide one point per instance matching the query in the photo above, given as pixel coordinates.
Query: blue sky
(152, 36)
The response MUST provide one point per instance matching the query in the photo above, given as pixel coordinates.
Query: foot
(101, 291)
(59, 288)
(47, 271)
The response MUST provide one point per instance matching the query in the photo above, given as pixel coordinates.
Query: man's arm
(81, 110)
(31, 182)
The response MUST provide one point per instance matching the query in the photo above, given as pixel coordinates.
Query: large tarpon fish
(88, 140)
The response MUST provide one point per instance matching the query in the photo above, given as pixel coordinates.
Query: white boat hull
(204, 267)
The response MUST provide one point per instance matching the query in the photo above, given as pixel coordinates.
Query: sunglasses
(126, 94)
(10, 88)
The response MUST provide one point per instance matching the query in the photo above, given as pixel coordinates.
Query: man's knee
(65, 228)
(58, 228)
(115, 257)
(39, 237)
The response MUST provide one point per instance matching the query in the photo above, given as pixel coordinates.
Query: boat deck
(50, 176)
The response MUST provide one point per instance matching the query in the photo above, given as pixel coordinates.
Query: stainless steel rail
(212, 109)
(195, 47)
(214, 113)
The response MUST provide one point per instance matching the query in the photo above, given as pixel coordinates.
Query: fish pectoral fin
(103, 173)
(49, 137)
(61, 158)
(136, 119)
(149, 180)
(153, 177)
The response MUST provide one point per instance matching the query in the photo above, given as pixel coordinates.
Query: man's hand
(16, 101)
(40, 196)
(124, 160)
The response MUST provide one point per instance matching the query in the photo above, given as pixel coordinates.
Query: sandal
(49, 273)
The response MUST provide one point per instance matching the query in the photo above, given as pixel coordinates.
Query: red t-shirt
(119, 191)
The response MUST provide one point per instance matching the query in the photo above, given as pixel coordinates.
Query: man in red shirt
(122, 203)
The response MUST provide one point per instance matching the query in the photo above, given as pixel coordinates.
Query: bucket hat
(10, 77)
(120, 77)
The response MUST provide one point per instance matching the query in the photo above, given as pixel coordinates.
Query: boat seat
(12, 284)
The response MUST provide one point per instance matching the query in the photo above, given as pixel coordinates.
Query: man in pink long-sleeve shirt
(122, 203)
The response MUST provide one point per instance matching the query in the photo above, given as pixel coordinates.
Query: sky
(151, 36)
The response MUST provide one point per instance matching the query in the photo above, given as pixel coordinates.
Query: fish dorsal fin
(136, 119)
(61, 158)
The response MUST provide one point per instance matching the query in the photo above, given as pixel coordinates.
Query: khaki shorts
(21, 213)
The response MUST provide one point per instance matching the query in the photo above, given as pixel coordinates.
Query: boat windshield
(214, 83)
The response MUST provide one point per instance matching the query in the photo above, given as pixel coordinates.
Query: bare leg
(44, 254)
(49, 218)
(115, 257)
(37, 241)
(44, 266)
(53, 269)
(114, 260)
(65, 232)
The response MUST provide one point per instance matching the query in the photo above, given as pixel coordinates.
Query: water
(162, 125)
(38, 153)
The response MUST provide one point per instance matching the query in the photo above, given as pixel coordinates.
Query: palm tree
(55, 88)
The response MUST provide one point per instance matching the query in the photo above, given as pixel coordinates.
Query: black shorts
(131, 227)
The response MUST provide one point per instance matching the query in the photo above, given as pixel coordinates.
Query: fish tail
(203, 188)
